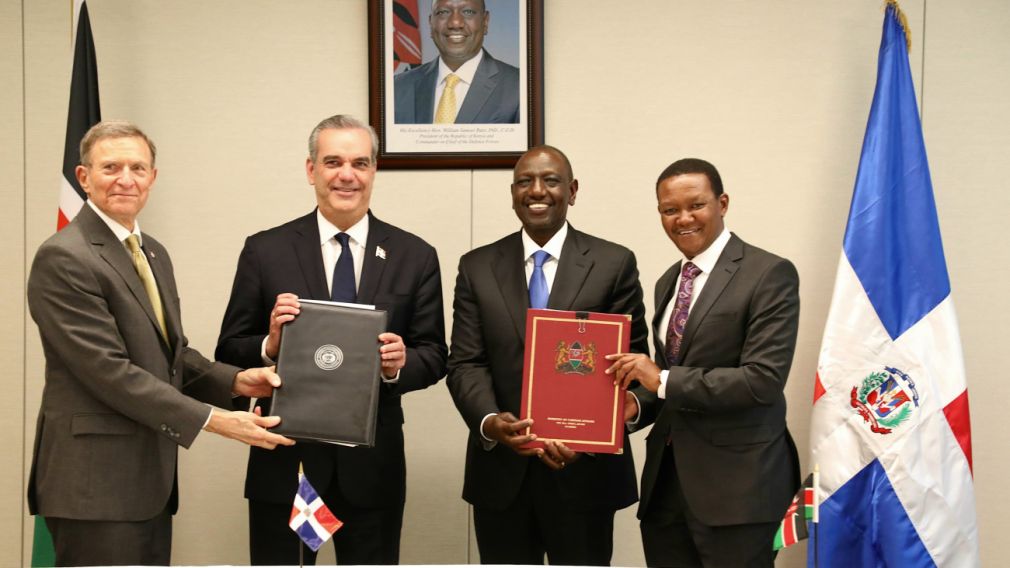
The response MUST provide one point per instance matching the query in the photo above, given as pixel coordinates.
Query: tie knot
(343, 239)
(451, 81)
(133, 243)
(540, 257)
(690, 271)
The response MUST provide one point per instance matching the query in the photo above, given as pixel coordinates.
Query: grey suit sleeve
(769, 340)
(469, 380)
(70, 306)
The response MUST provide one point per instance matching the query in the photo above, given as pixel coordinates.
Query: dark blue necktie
(538, 282)
(343, 274)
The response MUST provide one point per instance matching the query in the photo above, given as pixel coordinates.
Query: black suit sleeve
(469, 380)
(247, 318)
(627, 299)
(425, 334)
(766, 354)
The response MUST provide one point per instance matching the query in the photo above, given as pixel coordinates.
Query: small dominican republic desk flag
(310, 517)
(890, 427)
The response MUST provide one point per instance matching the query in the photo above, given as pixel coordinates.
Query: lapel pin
(151, 253)
(380, 252)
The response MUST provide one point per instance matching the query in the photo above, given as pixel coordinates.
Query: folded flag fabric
(311, 519)
(793, 527)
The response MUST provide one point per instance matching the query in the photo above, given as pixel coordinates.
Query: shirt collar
(465, 72)
(553, 246)
(358, 231)
(706, 259)
(121, 232)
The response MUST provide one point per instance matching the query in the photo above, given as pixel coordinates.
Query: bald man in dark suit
(530, 502)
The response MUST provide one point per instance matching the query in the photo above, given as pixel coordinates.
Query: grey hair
(342, 122)
(112, 129)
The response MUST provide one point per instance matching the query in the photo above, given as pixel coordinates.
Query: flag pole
(301, 546)
(817, 504)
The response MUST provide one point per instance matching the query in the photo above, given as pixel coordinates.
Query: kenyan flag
(794, 525)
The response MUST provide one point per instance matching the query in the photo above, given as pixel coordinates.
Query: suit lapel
(725, 269)
(306, 248)
(485, 81)
(573, 268)
(424, 94)
(510, 274)
(373, 264)
(665, 289)
(114, 253)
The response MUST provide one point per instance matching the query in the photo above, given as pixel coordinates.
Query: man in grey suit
(530, 502)
(123, 388)
(464, 84)
(720, 466)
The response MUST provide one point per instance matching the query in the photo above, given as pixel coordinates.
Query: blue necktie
(343, 289)
(538, 282)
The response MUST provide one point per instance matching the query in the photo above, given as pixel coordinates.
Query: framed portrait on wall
(455, 83)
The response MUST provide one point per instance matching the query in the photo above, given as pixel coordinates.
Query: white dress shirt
(706, 262)
(330, 246)
(553, 248)
(465, 73)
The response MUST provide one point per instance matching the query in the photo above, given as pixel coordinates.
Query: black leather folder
(330, 367)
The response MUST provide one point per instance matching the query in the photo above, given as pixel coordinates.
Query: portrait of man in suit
(464, 84)
(123, 387)
(340, 252)
(531, 502)
(720, 465)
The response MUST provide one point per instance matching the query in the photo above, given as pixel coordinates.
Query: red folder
(565, 390)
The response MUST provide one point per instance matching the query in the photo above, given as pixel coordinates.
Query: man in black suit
(471, 86)
(530, 502)
(393, 270)
(720, 466)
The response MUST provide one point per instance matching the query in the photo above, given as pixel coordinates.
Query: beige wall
(774, 93)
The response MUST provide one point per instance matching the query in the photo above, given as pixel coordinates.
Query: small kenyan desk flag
(802, 509)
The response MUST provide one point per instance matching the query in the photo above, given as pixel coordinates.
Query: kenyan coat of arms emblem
(885, 399)
(575, 359)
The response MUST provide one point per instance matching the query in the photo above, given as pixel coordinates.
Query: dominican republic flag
(803, 508)
(890, 428)
(83, 113)
(406, 36)
(310, 517)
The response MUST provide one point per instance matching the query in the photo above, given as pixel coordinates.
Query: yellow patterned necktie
(147, 277)
(446, 111)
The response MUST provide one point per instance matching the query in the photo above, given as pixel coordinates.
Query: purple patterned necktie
(675, 331)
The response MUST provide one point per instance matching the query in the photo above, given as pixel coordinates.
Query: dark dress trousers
(118, 401)
(485, 377)
(400, 274)
(493, 96)
(719, 446)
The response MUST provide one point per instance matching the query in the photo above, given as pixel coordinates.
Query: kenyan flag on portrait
(794, 525)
